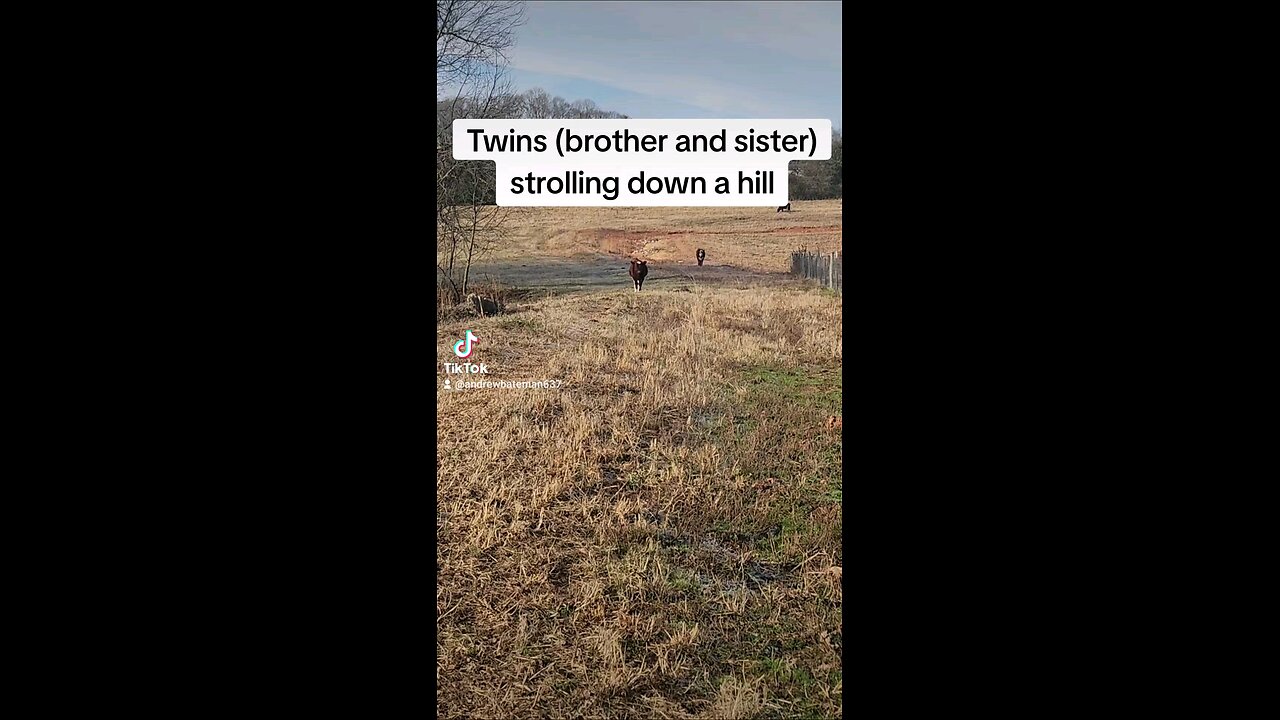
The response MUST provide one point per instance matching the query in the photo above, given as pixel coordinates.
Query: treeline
(818, 179)
(810, 179)
(535, 104)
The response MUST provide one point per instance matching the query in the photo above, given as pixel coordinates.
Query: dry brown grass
(661, 537)
(751, 238)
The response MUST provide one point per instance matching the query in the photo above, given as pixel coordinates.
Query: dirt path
(588, 250)
(609, 272)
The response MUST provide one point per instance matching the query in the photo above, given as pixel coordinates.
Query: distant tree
(818, 179)
(536, 105)
(835, 179)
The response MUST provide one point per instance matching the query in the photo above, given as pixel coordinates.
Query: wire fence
(826, 268)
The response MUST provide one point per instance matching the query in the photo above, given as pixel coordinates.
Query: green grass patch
(792, 523)
(781, 446)
(787, 680)
(813, 388)
(682, 581)
(520, 322)
(780, 378)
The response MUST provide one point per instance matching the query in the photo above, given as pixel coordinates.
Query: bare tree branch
(471, 34)
(473, 42)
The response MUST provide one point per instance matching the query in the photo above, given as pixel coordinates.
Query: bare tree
(537, 104)
(473, 40)
(471, 34)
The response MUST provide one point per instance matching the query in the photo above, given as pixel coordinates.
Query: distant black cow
(786, 207)
(702, 255)
(639, 268)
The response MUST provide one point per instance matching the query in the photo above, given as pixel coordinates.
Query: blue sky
(686, 59)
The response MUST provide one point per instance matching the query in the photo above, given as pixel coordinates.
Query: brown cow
(639, 268)
(702, 255)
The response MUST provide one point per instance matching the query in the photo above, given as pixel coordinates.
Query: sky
(686, 59)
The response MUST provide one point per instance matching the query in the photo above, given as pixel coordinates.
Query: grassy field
(661, 536)
(750, 238)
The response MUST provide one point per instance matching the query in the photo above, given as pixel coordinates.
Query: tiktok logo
(458, 346)
(463, 349)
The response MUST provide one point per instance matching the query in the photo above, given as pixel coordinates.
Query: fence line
(826, 268)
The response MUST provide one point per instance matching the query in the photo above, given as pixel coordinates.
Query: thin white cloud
(763, 59)
(803, 30)
(713, 96)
